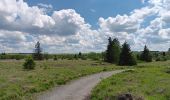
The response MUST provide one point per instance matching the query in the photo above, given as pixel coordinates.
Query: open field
(19, 84)
(149, 81)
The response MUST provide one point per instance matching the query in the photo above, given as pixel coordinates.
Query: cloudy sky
(67, 26)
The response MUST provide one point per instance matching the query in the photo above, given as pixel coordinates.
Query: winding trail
(77, 89)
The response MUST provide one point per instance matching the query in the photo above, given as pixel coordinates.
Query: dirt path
(77, 89)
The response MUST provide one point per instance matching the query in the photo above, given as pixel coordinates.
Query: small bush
(158, 59)
(55, 58)
(167, 70)
(70, 58)
(83, 58)
(29, 63)
(164, 59)
(104, 69)
(161, 59)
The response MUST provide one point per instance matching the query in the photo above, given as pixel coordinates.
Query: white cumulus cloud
(66, 31)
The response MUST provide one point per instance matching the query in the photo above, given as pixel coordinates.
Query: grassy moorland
(149, 81)
(19, 84)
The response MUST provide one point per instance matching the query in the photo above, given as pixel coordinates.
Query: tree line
(115, 54)
(122, 55)
(39, 54)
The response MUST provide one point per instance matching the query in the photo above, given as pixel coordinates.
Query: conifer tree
(75, 57)
(109, 51)
(116, 50)
(113, 51)
(145, 55)
(126, 57)
(80, 55)
(37, 55)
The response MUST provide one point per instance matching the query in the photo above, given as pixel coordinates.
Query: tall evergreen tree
(169, 52)
(126, 56)
(37, 55)
(145, 55)
(109, 51)
(113, 51)
(80, 54)
(164, 53)
(116, 50)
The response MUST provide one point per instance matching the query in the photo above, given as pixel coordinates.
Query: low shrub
(29, 63)
(167, 70)
(55, 58)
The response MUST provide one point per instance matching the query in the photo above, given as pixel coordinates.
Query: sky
(92, 10)
(64, 26)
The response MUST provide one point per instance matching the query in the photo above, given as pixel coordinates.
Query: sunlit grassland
(19, 84)
(150, 81)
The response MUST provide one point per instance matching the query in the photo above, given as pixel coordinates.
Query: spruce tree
(37, 55)
(169, 52)
(55, 58)
(109, 51)
(116, 50)
(80, 55)
(113, 51)
(145, 55)
(126, 57)
(75, 57)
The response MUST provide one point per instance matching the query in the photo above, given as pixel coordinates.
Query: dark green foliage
(167, 70)
(80, 55)
(18, 57)
(83, 58)
(109, 51)
(146, 55)
(161, 58)
(37, 55)
(165, 59)
(55, 57)
(70, 58)
(4, 53)
(29, 63)
(168, 54)
(75, 57)
(116, 50)
(94, 56)
(163, 54)
(158, 59)
(138, 56)
(113, 51)
(13, 56)
(126, 57)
